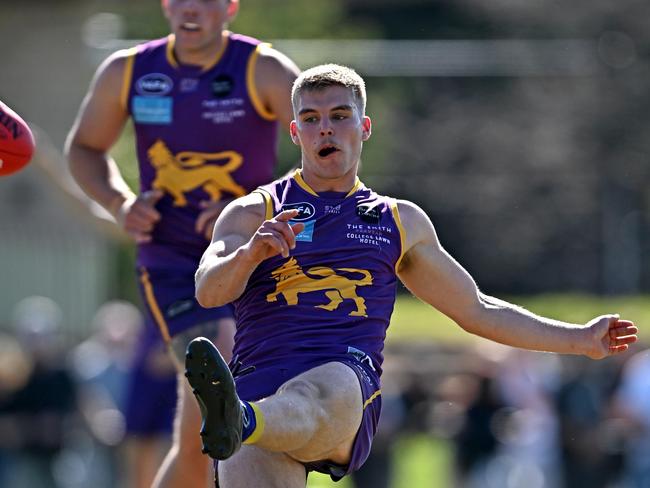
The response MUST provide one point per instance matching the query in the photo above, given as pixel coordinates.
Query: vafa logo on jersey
(154, 84)
(306, 210)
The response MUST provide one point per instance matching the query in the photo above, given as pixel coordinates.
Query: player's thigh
(337, 391)
(255, 467)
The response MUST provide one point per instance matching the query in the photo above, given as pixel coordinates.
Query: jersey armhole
(268, 202)
(126, 78)
(402, 232)
(252, 89)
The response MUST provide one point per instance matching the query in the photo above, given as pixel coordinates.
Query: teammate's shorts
(170, 309)
(152, 391)
(260, 384)
(170, 304)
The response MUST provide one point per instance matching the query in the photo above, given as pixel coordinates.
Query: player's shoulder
(242, 216)
(273, 64)
(113, 68)
(415, 222)
(410, 211)
(253, 204)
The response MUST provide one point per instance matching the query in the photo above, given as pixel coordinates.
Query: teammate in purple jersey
(311, 263)
(205, 105)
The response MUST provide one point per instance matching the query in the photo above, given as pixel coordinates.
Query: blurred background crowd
(473, 415)
(521, 128)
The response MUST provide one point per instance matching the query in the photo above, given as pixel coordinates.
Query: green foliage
(299, 19)
(142, 20)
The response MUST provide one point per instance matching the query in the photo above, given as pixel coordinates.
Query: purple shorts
(151, 393)
(260, 384)
(170, 310)
(170, 304)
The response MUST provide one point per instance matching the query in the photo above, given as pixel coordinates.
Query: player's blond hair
(326, 75)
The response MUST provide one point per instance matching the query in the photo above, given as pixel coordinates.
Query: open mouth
(326, 151)
(190, 26)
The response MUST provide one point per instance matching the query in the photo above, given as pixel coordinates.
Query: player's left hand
(208, 216)
(610, 335)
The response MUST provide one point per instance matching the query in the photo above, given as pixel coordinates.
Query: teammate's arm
(274, 77)
(98, 125)
(435, 277)
(242, 239)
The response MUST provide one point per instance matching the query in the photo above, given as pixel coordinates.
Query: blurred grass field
(423, 461)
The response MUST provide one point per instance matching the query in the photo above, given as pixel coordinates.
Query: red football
(16, 141)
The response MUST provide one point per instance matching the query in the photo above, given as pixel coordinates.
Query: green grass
(420, 461)
(318, 480)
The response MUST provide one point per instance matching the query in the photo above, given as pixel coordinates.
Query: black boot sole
(214, 388)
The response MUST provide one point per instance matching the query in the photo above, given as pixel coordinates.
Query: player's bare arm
(274, 77)
(435, 277)
(242, 239)
(98, 125)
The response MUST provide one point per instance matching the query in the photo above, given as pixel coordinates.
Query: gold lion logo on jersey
(188, 170)
(291, 281)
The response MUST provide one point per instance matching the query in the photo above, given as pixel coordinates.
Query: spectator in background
(632, 404)
(583, 410)
(36, 415)
(467, 403)
(528, 428)
(102, 366)
(475, 441)
(15, 369)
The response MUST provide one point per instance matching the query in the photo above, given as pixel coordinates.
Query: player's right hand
(138, 215)
(608, 335)
(275, 236)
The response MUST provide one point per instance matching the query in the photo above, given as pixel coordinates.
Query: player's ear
(165, 7)
(366, 128)
(233, 8)
(293, 131)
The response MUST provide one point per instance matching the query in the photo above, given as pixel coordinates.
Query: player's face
(330, 129)
(197, 23)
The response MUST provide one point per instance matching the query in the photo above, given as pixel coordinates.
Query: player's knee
(302, 388)
(311, 398)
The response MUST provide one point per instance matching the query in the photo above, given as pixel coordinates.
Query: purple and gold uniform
(193, 129)
(330, 300)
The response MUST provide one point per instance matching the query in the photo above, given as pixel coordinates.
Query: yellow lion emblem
(187, 170)
(291, 281)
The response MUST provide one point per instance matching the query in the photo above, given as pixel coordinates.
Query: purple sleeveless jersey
(202, 135)
(335, 293)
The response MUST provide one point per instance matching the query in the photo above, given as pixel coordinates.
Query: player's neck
(203, 55)
(324, 184)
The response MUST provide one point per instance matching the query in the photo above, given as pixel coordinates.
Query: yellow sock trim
(259, 427)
